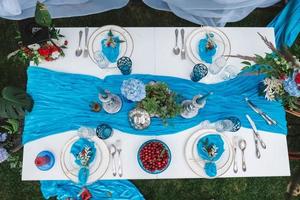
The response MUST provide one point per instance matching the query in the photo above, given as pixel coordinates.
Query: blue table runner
(61, 103)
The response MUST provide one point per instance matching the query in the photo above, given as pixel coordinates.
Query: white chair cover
(21, 9)
(210, 12)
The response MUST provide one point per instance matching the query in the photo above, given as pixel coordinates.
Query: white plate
(94, 43)
(97, 168)
(221, 162)
(221, 39)
(194, 164)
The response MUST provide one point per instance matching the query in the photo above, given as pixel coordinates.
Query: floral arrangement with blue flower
(282, 70)
(133, 90)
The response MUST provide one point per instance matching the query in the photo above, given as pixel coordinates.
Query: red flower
(85, 194)
(44, 52)
(297, 78)
(53, 48)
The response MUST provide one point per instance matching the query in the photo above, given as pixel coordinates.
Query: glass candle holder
(86, 132)
(101, 60)
(199, 71)
(125, 65)
(217, 65)
(229, 72)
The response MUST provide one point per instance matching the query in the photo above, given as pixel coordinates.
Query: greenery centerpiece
(282, 70)
(160, 101)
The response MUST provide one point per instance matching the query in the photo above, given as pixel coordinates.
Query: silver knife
(268, 119)
(263, 145)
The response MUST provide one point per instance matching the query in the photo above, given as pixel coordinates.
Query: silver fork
(182, 44)
(86, 52)
(120, 168)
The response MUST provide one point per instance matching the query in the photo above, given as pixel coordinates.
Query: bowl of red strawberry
(154, 156)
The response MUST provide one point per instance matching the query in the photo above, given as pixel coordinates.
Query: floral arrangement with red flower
(49, 50)
(46, 51)
(282, 69)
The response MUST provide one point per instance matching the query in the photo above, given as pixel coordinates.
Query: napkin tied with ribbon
(207, 49)
(210, 148)
(111, 52)
(84, 152)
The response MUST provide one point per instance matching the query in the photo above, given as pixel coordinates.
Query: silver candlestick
(111, 103)
(192, 107)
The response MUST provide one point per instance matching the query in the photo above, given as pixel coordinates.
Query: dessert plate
(94, 43)
(197, 164)
(220, 38)
(97, 168)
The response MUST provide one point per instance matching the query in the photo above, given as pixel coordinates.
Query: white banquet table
(153, 54)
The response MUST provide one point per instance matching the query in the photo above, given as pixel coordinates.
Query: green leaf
(42, 15)
(8, 128)
(14, 124)
(246, 63)
(14, 103)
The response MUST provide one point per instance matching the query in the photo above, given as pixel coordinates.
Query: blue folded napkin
(210, 148)
(111, 52)
(206, 54)
(84, 152)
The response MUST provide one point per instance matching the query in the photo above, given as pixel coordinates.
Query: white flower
(55, 55)
(273, 88)
(34, 47)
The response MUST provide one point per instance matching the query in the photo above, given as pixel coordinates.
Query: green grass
(12, 188)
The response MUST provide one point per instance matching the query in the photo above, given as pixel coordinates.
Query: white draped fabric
(21, 9)
(210, 12)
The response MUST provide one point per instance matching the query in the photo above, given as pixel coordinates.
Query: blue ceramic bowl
(141, 164)
(49, 165)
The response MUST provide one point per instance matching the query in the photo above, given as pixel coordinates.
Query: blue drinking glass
(199, 71)
(104, 131)
(125, 65)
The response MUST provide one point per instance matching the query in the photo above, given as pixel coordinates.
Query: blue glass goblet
(104, 131)
(125, 65)
(199, 71)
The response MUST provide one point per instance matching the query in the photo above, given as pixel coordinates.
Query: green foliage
(15, 162)
(11, 126)
(160, 101)
(42, 15)
(14, 103)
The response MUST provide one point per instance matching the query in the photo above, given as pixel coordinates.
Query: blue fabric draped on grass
(287, 24)
(64, 190)
(61, 103)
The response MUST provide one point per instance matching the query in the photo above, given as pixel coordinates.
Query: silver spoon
(113, 151)
(176, 49)
(78, 51)
(242, 146)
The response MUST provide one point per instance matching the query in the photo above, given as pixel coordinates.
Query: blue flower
(133, 89)
(291, 87)
(3, 154)
(3, 137)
